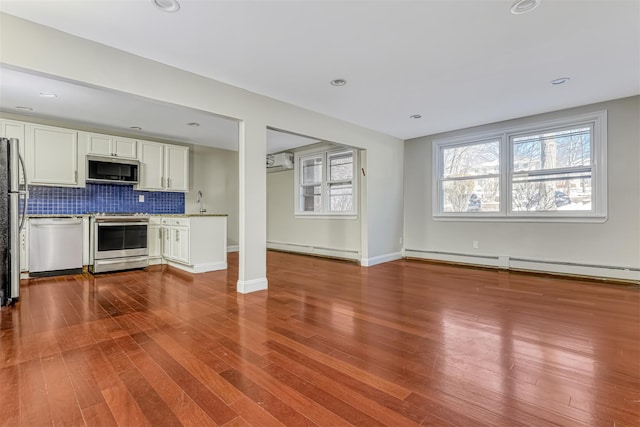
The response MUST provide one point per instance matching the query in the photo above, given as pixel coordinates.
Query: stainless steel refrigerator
(12, 218)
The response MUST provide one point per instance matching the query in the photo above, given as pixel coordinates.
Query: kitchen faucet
(199, 201)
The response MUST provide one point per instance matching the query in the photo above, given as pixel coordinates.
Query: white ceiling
(457, 63)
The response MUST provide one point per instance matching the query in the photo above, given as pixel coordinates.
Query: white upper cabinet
(164, 167)
(176, 167)
(151, 156)
(52, 156)
(107, 145)
(13, 129)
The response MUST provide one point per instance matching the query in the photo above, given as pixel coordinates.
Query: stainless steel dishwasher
(55, 246)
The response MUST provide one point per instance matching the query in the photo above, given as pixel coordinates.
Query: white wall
(613, 243)
(335, 237)
(215, 172)
(29, 46)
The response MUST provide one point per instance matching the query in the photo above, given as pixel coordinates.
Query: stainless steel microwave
(112, 170)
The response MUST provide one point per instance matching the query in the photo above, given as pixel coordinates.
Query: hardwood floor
(329, 344)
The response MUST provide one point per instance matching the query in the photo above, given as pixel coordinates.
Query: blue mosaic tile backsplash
(101, 198)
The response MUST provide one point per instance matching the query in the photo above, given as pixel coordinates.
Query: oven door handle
(114, 224)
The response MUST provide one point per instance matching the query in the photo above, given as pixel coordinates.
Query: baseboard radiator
(631, 274)
(350, 254)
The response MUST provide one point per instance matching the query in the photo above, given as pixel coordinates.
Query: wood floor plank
(62, 399)
(9, 396)
(124, 407)
(214, 407)
(34, 405)
(254, 414)
(266, 400)
(402, 343)
(288, 392)
(189, 413)
(198, 369)
(153, 407)
(98, 416)
(85, 388)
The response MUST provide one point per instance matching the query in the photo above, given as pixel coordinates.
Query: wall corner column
(252, 266)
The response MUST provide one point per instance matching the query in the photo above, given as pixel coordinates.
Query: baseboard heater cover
(535, 265)
(349, 254)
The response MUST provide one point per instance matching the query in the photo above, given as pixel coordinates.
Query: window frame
(598, 157)
(325, 183)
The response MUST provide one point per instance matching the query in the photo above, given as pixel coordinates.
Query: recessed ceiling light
(415, 116)
(48, 95)
(171, 6)
(560, 81)
(135, 127)
(19, 107)
(524, 6)
(194, 124)
(338, 82)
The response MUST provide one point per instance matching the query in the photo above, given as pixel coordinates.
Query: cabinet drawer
(181, 221)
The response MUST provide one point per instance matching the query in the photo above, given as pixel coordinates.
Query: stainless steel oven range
(118, 242)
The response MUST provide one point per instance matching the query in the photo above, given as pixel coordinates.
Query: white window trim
(324, 213)
(598, 178)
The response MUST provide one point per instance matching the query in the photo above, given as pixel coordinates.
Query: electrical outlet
(475, 244)
(141, 198)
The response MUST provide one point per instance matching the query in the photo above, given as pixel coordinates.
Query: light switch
(141, 198)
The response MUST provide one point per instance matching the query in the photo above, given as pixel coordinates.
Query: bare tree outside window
(470, 177)
(542, 163)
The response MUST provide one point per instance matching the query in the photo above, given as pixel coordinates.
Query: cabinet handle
(168, 182)
(162, 181)
(160, 233)
(177, 236)
(75, 176)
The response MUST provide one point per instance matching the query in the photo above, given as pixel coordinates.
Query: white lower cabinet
(154, 240)
(195, 244)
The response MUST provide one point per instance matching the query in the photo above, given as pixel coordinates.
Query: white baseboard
(315, 250)
(253, 285)
(368, 262)
(534, 265)
(199, 268)
(233, 248)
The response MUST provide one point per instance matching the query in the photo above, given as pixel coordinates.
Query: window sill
(324, 216)
(522, 218)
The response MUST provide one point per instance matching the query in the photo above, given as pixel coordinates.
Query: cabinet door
(154, 241)
(124, 147)
(151, 156)
(11, 129)
(166, 243)
(52, 156)
(99, 145)
(180, 244)
(176, 167)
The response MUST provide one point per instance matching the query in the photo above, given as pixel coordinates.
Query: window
(553, 170)
(325, 183)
